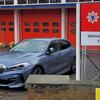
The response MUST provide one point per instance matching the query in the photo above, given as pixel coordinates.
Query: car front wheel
(73, 65)
(37, 70)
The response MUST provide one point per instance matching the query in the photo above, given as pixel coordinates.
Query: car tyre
(73, 66)
(37, 70)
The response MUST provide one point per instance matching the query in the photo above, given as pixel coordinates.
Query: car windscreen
(30, 46)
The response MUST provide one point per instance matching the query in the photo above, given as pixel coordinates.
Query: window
(73, 31)
(27, 29)
(86, 0)
(11, 23)
(36, 30)
(27, 23)
(64, 44)
(21, 1)
(45, 24)
(55, 24)
(45, 30)
(11, 29)
(32, 1)
(73, 24)
(54, 46)
(36, 23)
(3, 29)
(55, 31)
(1, 2)
(71, 0)
(3, 23)
(43, 1)
(31, 45)
(9, 2)
(55, 1)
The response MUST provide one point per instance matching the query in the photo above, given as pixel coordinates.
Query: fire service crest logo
(92, 17)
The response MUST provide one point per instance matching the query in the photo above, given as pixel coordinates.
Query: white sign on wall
(90, 38)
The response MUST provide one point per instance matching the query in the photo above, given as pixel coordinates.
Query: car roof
(46, 39)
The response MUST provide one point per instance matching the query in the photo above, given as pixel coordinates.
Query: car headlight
(19, 66)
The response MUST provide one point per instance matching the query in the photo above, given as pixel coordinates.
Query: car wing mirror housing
(51, 50)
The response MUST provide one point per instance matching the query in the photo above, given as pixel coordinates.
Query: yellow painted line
(97, 93)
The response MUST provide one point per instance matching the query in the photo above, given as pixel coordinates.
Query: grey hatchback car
(35, 56)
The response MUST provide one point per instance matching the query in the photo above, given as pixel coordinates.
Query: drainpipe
(63, 21)
(16, 26)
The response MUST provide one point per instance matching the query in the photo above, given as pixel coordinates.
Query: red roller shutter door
(40, 23)
(6, 26)
(71, 33)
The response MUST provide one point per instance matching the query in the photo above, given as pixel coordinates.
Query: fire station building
(21, 19)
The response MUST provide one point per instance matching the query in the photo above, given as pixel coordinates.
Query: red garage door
(40, 23)
(72, 25)
(6, 26)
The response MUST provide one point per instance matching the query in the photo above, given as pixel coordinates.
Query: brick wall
(62, 92)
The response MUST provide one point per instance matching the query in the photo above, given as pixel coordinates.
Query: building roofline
(30, 6)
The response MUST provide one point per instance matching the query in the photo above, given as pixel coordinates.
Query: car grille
(8, 81)
(2, 68)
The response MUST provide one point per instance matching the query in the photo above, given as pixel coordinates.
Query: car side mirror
(51, 50)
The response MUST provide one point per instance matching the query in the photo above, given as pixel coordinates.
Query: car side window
(64, 44)
(54, 46)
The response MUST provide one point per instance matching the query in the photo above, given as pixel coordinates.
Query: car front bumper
(10, 80)
(14, 79)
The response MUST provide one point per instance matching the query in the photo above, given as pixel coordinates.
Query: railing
(18, 2)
